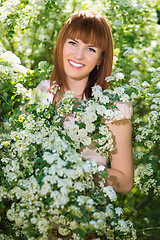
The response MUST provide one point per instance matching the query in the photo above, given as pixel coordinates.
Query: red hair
(90, 28)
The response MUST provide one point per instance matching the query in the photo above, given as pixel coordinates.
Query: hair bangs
(89, 32)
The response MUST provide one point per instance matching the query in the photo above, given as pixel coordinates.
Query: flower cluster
(46, 183)
(11, 65)
(85, 122)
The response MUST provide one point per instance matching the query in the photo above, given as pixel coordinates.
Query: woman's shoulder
(122, 111)
(44, 86)
(125, 108)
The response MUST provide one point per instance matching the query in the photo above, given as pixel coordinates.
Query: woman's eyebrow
(74, 40)
(91, 46)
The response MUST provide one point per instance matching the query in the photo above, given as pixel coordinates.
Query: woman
(82, 58)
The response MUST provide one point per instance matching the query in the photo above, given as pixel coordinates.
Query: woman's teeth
(76, 64)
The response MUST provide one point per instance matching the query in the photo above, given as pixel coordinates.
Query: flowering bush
(45, 181)
(13, 72)
(146, 134)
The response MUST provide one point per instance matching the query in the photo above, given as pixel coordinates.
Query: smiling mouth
(76, 65)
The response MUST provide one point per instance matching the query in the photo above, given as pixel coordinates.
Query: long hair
(90, 28)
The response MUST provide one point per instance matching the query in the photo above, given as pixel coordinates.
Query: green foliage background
(29, 28)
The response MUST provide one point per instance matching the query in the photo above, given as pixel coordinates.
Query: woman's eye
(72, 43)
(91, 50)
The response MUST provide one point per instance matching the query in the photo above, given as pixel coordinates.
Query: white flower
(64, 190)
(145, 84)
(81, 200)
(104, 99)
(99, 215)
(103, 129)
(90, 202)
(46, 188)
(118, 115)
(18, 192)
(124, 97)
(6, 144)
(119, 90)
(33, 220)
(42, 64)
(55, 87)
(43, 225)
(89, 116)
(82, 134)
(109, 78)
(76, 172)
(129, 51)
(122, 226)
(86, 141)
(90, 127)
(10, 57)
(50, 174)
(87, 167)
(50, 158)
(136, 60)
(101, 110)
(73, 225)
(109, 192)
(144, 169)
(79, 186)
(109, 211)
(119, 210)
(75, 237)
(94, 223)
(135, 73)
(102, 141)
(149, 144)
(20, 68)
(22, 90)
(133, 96)
(101, 168)
(109, 114)
(119, 76)
(19, 221)
(151, 69)
(134, 82)
(11, 213)
(60, 172)
(63, 231)
(97, 91)
(158, 85)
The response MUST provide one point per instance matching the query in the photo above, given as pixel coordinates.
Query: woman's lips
(75, 64)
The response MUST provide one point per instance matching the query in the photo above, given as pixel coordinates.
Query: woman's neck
(77, 87)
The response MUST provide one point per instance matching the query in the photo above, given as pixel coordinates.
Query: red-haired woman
(82, 58)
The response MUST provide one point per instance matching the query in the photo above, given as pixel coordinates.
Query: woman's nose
(79, 53)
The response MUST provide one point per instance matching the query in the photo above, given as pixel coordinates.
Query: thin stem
(139, 205)
(130, 198)
(11, 45)
(144, 199)
(34, 38)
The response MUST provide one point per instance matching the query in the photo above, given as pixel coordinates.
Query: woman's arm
(121, 176)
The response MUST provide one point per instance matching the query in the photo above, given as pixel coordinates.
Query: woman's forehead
(89, 39)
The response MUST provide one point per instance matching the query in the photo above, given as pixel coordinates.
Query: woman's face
(79, 59)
